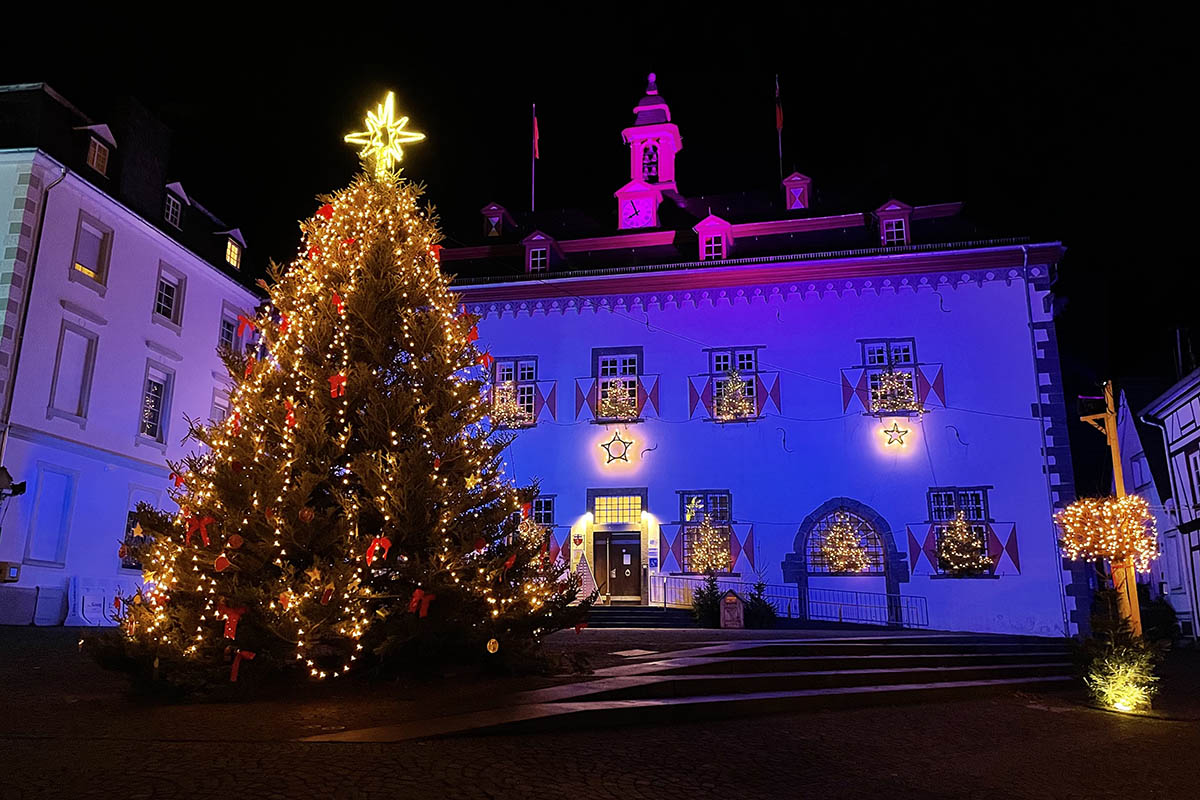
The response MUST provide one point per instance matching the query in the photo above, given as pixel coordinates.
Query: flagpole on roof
(533, 164)
(779, 125)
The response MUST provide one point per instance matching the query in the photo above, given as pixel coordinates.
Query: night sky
(1057, 124)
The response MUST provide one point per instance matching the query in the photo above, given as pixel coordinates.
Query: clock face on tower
(637, 212)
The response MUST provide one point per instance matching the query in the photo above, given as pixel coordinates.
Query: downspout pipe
(24, 316)
(1037, 393)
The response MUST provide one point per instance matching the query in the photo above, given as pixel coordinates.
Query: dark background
(1061, 124)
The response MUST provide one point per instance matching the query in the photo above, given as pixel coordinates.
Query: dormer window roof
(496, 220)
(895, 223)
(541, 252)
(715, 236)
(796, 192)
(235, 245)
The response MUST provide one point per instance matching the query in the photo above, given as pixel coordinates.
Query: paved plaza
(71, 731)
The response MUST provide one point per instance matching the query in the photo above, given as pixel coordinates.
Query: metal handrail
(838, 605)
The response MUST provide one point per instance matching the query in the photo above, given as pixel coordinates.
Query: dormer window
(233, 253)
(714, 247)
(796, 189)
(493, 225)
(173, 210)
(539, 259)
(895, 232)
(650, 163)
(97, 156)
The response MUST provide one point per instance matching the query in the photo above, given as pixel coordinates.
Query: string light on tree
(961, 549)
(1114, 529)
(732, 401)
(710, 547)
(617, 403)
(842, 548)
(894, 394)
(506, 411)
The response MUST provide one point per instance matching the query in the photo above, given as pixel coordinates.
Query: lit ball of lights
(1121, 530)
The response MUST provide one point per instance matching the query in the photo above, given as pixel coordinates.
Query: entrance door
(619, 559)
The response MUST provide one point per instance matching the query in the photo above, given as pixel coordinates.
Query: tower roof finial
(651, 86)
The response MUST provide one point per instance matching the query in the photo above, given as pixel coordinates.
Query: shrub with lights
(352, 506)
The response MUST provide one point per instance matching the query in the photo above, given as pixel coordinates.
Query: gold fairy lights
(842, 547)
(1121, 530)
(733, 401)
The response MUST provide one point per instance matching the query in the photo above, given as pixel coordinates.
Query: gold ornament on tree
(842, 548)
(1120, 530)
(732, 402)
(961, 549)
(710, 547)
(894, 394)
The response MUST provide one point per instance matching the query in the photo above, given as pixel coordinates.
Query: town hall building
(789, 375)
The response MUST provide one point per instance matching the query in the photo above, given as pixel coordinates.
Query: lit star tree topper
(383, 139)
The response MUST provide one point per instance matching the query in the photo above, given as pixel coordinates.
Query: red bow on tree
(436, 252)
(283, 324)
(420, 599)
(473, 334)
(238, 655)
(197, 525)
(314, 251)
(337, 302)
(508, 562)
(437, 462)
(486, 360)
(235, 422)
(175, 476)
(231, 615)
(291, 413)
(249, 367)
(376, 543)
(337, 385)
(245, 322)
(526, 509)
(325, 211)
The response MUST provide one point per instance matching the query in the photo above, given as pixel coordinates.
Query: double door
(618, 559)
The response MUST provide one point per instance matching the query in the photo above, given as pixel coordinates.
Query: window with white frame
(840, 520)
(714, 247)
(947, 502)
(525, 399)
(720, 383)
(894, 232)
(506, 371)
(220, 406)
(527, 370)
(716, 504)
(539, 259)
(543, 510)
(889, 355)
(73, 368)
(233, 253)
(156, 403)
(173, 210)
(93, 246)
(745, 361)
(97, 156)
(228, 337)
(617, 509)
(168, 296)
(618, 373)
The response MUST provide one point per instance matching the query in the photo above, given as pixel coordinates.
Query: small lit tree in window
(961, 549)
(894, 394)
(842, 548)
(733, 403)
(506, 411)
(710, 548)
(617, 403)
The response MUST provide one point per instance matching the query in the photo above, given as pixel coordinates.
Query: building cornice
(775, 277)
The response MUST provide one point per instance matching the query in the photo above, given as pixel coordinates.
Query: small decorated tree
(352, 504)
(617, 403)
(961, 550)
(710, 548)
(506, 411)
(842, 548)
(732, 403)
(894, 394)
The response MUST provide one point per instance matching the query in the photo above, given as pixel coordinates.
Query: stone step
(898, 646)
(746, 666)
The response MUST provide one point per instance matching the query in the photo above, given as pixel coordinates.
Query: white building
(1176, 413)
(116, 289)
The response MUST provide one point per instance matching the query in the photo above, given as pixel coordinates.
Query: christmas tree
(732, 402)
(352, 506)
(710, 548)
(842, 548)
(960, 549)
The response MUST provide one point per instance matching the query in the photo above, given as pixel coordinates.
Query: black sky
(1057, 123)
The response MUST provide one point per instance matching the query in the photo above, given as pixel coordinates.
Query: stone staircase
(639, 617)
(765, 676)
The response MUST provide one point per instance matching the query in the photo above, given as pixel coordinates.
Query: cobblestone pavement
(68, 731)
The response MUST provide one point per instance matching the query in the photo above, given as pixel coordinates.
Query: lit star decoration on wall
(383, 138)
(616, 448)
(895, 434)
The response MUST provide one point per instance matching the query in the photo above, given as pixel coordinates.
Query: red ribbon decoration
(526, 509)
(473, 334)
(245, 322)
(291, 413)
(231, 615)
(508, 562)
(337, 385)
(420, 599)
(327, 595)
(249, 367)
(436, 252)
(486, 360)
(314, 251)
(238, 655)
(437, 462)
(337, 302)
(235, 422)
(283, 324)
(376, 543)
(197, 524)
(285, 600)
(175, 476)
(325, 211)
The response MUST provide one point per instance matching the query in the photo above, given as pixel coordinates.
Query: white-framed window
(93, 247)
(747, 361)
(173, 210)
(717, 504)
(228, 336)
(714, 247)
(945, 502)
(525, 399)
(720, 383)
(156, 403)
(527, 370)
(506, 371)
(539, 259)
(901, 351)
(617, 509)
(233, 253)
(722, 361)
(73, 368)
(744, 361)
(97, 156)
(220, 405)
(618, 373)
(543, 510)
(894, 232)
(876, 354)
(165, 297)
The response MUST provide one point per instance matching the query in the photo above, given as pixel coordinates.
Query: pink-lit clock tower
(653, 142)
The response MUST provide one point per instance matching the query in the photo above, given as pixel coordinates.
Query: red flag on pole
(778, 107)
(535, 134)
